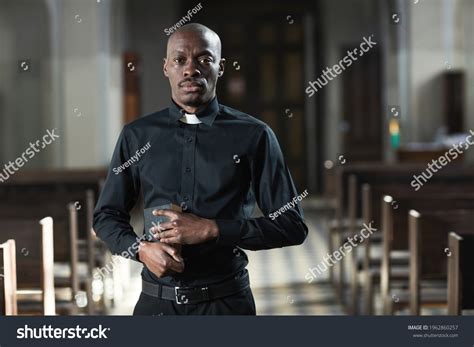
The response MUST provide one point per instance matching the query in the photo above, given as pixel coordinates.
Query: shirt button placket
(187, 176)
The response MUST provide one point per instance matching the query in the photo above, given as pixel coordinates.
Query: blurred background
(87, 67)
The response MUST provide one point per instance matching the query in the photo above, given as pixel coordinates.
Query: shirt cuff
(131, 251)
(229, 232)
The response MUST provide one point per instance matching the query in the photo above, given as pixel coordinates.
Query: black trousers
(241, 303)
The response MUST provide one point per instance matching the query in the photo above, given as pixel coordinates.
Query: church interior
(372, 103)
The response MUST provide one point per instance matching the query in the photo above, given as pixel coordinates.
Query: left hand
(185, 228)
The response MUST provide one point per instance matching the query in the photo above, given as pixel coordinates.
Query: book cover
(154, 221)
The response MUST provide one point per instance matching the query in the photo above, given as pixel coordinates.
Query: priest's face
(193, 65)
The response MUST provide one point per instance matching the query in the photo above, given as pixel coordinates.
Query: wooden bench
(65, 243)
(429, 253)
(372, 196)
(395, 230)
(348, 211)
(62, 205)
(34, 263)
(460, 273)
(80, 186)
(8, 299)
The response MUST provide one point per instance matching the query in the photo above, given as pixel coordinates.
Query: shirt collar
(206, 115)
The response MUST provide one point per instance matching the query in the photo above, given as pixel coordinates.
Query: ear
(221, 67)
(165, 69)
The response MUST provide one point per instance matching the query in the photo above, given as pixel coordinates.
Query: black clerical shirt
(217, 169)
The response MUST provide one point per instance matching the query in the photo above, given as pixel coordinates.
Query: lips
(190, 86)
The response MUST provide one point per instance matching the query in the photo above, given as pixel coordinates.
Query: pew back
(35, 259)
(8, 300)
(460, 274)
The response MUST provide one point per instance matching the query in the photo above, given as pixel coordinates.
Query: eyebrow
(204, 52)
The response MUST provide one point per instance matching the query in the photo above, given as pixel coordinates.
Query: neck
(193, 109)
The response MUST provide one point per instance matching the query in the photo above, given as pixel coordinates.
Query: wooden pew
(372, 211)
(73, 183)
(398, 178)
(348, 211)
(460, 274)
(364, 262)
(428, 241)
(8, 299)
(76, 206)
(65, 242)
(395, 230)
(35, 263)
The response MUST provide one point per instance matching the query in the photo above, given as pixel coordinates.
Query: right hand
(160, 258)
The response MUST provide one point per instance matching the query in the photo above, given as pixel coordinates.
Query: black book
(152, 221)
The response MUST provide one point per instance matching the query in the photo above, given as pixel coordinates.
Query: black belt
(195, 295)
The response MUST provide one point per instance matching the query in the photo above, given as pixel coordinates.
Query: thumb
(173, 253)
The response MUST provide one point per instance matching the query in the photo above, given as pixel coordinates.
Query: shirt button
(188, 169)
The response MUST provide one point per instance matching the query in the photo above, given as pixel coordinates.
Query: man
(214, 162)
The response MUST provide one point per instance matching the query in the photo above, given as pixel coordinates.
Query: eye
(179, 60)
(205, 60)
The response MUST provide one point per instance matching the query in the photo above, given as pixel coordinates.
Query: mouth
(191, 86)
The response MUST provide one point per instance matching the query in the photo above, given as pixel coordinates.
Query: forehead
(193, 42)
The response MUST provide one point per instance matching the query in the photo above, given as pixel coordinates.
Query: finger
(172, 252)
(159, 235)
(167, 225)
(157, 228)
(168, 234)
(168, 213)
(171, 240)
(177, 267)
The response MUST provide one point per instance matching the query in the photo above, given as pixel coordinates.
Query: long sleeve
(274, 190)
(119, 195)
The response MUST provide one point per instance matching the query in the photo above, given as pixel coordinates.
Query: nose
(191, 69)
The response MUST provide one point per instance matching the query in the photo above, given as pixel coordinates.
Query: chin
(193, 99)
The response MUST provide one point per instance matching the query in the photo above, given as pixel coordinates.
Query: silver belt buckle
(180, 299)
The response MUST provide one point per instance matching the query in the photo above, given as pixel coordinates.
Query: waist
(203, 270)
(197, 294)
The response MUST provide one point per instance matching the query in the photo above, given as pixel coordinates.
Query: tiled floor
(277, 278)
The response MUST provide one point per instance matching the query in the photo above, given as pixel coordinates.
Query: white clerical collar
(190, 119)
